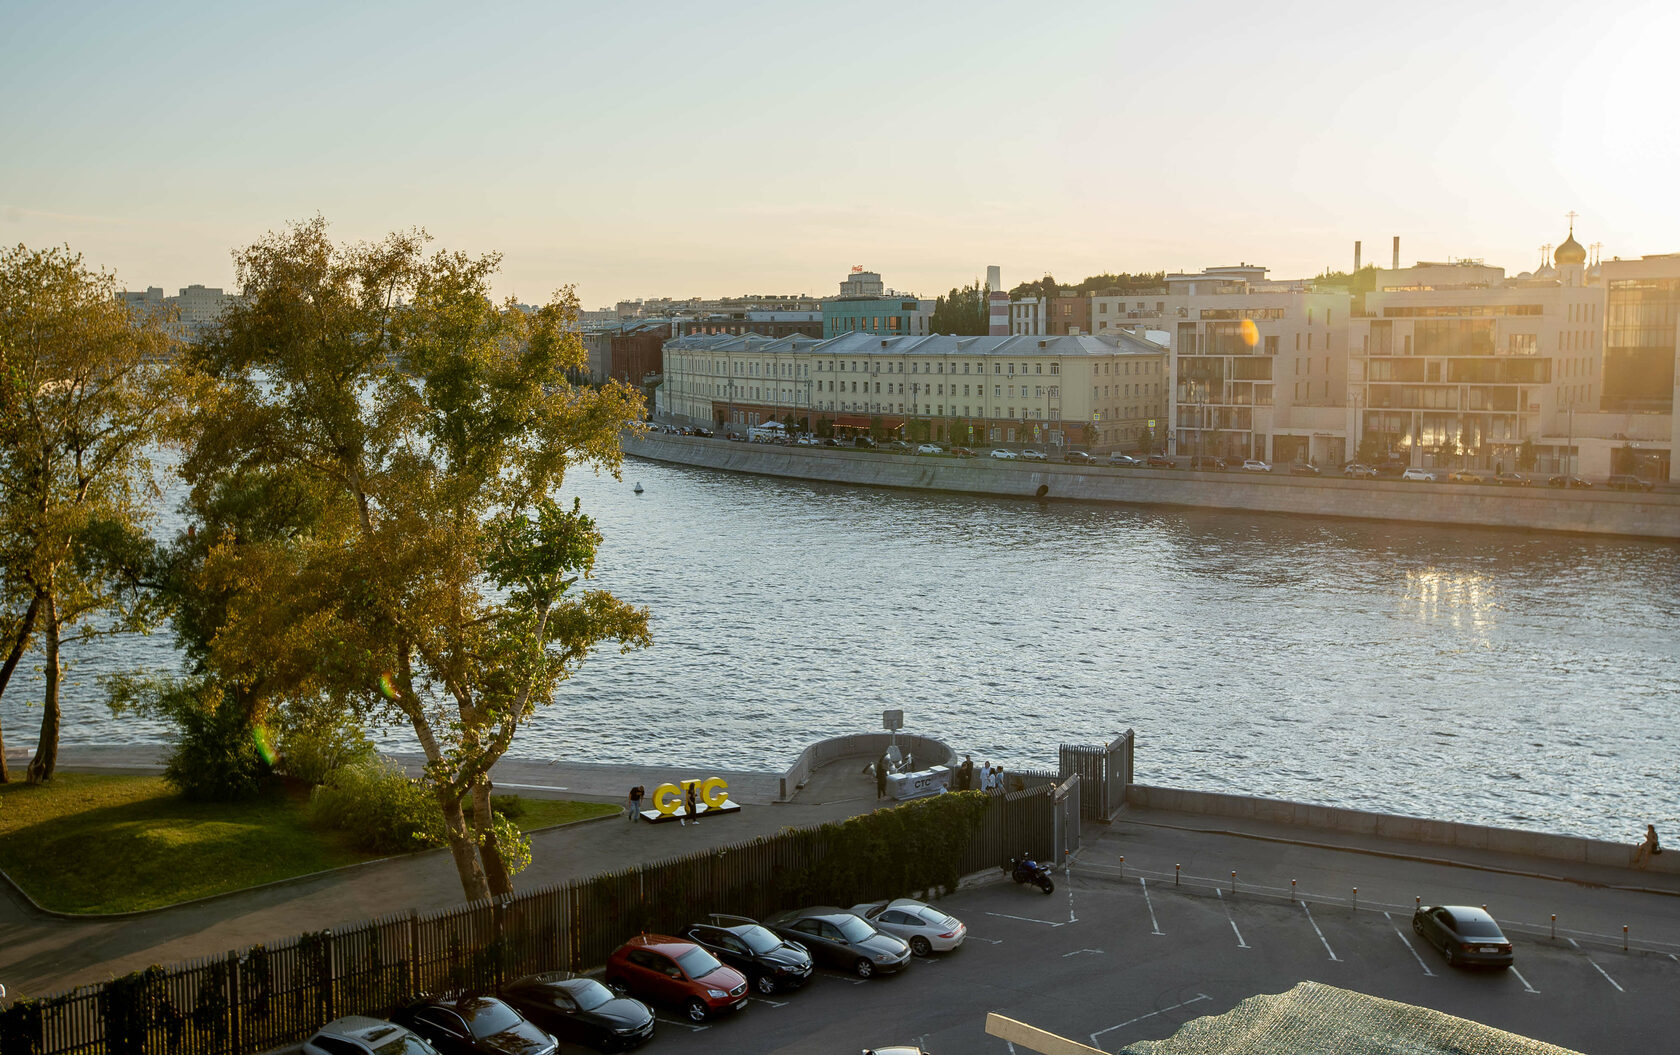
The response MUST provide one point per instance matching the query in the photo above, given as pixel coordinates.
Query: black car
(1466, 934)
(1302, 469)
(580, 1010)
(1568, 481)
(1626, 482)
(840, 939)
(769, 961)
(474, 1025)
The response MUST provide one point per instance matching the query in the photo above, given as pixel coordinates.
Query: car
(1033, 454)
(926, 928)
(1125, 461)
(962, 452)
(930, 448)
(1469, 476)
(769, 961)
(895, 445)
(1466, 934)
(1359, 471)
(474, 1025)
(361, 1035)
(1511, 480)
(1255, 465)
(698, 431)
(1565, 480)
(1419, 475)
(842, 940)
(1627, 482)
(1160, 461)
(580, 1011)
(1207, 463)
(661, 969)
(1006, 454)
(1303, 469)
(1077, 456)
(805, 441)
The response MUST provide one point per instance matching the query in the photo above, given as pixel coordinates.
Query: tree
(1527, 456)
(425, 432)
(1370, 449)
(964, 312)
(1146, 440)
(84, 397)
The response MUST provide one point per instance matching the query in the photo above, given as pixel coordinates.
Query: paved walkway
(40, 955)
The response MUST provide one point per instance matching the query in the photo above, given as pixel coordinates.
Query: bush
(316, 739)
(219, 755)
(379, 807)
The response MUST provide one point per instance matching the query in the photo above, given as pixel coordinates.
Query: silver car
(926, 928)
(361, 1035)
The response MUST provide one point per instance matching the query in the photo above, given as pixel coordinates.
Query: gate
(1103, 774)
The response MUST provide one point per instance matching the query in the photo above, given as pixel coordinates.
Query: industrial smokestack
(997, 303)
(1356, 256)
(1396, 252)
(994, 278)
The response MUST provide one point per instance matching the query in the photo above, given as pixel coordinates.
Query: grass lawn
(96, 843)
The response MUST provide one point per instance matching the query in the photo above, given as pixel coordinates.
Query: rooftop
(933, 345)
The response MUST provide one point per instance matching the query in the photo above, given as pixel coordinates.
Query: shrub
(379, 807)
(219, 755)
(316, 739)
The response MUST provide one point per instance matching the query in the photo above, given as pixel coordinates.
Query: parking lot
(1110, 960)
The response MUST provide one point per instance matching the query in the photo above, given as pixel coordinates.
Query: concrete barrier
(1421, 830)
(924, 749)
(1529, 508)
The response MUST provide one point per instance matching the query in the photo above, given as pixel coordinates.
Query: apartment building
(196, 307)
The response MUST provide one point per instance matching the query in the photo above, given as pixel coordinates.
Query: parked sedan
(1568, 481)
(1080, 457)
(962, 452)
(474, 1025)
(1303, 469)
(926, 928)
(1005, 453)
(1160, 461)
(1125, 461)
(1627, 482)
(672, 971)
(1255, 465)
(930, 448)
(769, 961)
(581, 1011)
(842, 940)
(1359, 470)
(1033, 455)
(1511, 480)
(1466, 934)
(361, 1035)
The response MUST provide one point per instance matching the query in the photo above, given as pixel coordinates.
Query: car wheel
(697, 1009)
(863, 967)
(1452, 957)
(1417, 928)
(764, 984)
(920, 945)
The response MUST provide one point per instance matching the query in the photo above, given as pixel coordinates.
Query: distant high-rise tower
(998, 302)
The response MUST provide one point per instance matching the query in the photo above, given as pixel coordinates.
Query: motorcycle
(1024, 869)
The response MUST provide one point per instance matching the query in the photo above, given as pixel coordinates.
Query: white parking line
(1320, 933)
(1071, 917)
(772, 1003)
(1523, 980)
(1152, 1014)
(1408, 944)
(1154, 927)
(674, 1021)
(1076, 952)
(1233, 920)
(988, 941)
(1027, 919)
(1606, 974)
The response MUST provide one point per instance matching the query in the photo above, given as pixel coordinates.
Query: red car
(656, 967)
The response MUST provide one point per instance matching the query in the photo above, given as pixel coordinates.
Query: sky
(723, 148)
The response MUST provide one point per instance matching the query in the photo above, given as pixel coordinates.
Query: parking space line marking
(1575, 943)
(772, 1003)
(988, 941)
(1523, 980)
(1154, 927)
(1026, 919)
(1071, 917)
(678, 1022)
(1320, 933)
(1076, 952)
(1152, 1014)
(1233, 920)
(1606, 974)
(1408, 944)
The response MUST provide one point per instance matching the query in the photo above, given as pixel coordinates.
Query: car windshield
(489, 1017)
(854, 929)
(697, 962)
(590, 994)
(758, 939)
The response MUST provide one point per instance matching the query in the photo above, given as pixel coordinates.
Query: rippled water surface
(1485, 676)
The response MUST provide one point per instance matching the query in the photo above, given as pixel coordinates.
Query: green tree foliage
(82, 400)
(963, 312)
(1107, 283)
(1370, 449)
(376, 455)
(1527, 456)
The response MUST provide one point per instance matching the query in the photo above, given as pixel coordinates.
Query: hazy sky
(718, 148)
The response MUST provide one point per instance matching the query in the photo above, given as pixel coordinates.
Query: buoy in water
(638, 487)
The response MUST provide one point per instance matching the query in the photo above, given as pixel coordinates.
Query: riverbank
(1648, 515)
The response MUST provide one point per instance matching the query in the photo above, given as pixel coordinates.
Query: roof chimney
(1396, 252)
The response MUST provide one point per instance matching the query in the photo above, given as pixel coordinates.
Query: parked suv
(1255, 465)
(1416, 474)
(1626, 482)
(1125, 460)
(658, 968)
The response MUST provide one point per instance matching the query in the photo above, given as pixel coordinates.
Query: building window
(1055, 368)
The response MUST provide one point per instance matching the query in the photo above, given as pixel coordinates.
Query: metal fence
(271, 995)
(1103, 771)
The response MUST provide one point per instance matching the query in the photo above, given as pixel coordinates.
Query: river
(1486, 676)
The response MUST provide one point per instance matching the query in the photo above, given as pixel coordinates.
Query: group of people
(691, 804)
(989, 779)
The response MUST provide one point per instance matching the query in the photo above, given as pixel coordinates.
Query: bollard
(1356, 899)
(1554, 925)
(1419, 899)
(1292, 890)
(1233, 884)
(1624, 937)
(1122, 866)
(1175, 874)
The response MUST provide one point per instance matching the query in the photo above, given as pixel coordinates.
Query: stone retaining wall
(1533, 508)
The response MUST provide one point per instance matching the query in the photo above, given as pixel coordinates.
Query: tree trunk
(495, 869)
(26, 628)
(46, 750)
(461, 847)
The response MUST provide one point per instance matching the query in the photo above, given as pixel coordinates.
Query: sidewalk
(40, 955)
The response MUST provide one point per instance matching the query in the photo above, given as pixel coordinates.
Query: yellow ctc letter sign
(669, 798)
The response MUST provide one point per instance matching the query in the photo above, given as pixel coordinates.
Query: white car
(1255, 465)
(1006, 454)
(1414, 473)
(930, 448)
(361, 1034)
(1034, 456)
(926, 928)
